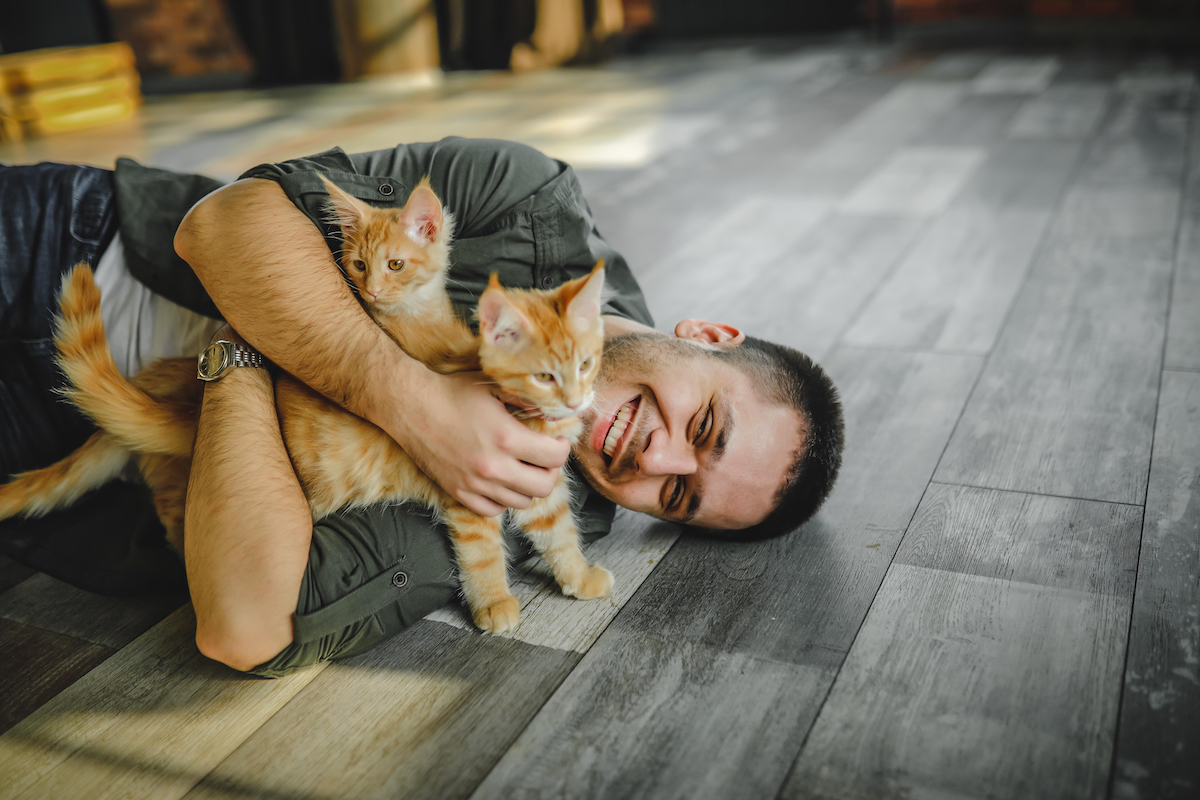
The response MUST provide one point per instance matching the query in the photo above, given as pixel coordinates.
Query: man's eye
(396, 264)
(360, 266)
(676, 494)
(704, 425)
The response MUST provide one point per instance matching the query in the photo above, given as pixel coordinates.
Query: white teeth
(618, 428)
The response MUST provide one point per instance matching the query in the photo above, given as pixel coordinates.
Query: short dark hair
(789, 377)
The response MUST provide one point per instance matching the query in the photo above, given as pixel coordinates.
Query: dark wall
(677, 19)
(31, 24)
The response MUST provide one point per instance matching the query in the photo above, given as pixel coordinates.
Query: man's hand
(461, 435)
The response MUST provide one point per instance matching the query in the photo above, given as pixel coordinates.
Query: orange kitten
(541, 346)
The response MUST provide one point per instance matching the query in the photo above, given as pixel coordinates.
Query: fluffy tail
(143, 422)
(39, 491)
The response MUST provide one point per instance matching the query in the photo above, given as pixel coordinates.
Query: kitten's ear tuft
(501, 324)
(343, 208)
(584, 308)
(422, 215)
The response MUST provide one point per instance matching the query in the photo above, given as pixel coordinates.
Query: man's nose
(664, 456)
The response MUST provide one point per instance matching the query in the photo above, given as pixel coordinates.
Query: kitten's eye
(544, 377)
(396, 264)
(360, 266)
(586, 366)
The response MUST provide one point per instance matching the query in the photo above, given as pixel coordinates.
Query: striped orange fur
(340, 459)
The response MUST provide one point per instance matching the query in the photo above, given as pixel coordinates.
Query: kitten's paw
(500, 616)
(597, 582)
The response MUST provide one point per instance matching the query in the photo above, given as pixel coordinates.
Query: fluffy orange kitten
(540, 346)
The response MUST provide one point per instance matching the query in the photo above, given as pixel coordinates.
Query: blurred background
(72, 65)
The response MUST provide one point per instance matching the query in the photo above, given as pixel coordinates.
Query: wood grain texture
(1066, 403)
(954, 289)
(1065, 110)
(1023, 174)
(46, 603)
(1158, 750)
(35, 665)
(150, 721)
(1016, 75)
(916, 180)
(644, 716)
(424, 715)
(1183, 331)
(800, 598)
(977, 121)
(550, 619)
(966, 686)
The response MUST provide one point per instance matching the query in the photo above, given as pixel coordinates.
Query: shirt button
(547, 282)
(386, 190)
(400, 580)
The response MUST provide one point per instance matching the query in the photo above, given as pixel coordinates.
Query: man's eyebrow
(718, 451)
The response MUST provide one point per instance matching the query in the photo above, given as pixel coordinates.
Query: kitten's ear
(422, 216)
(343, 208)
(584, 308)
(501, 324)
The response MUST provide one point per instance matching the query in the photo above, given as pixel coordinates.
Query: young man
(722, 432)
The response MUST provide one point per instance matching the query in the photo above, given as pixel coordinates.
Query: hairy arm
(267, 268)
(248, 524)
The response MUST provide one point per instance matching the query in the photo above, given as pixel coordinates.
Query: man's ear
(714, 334)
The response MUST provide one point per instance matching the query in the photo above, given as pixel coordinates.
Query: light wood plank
(916, 180)
(953, 291)
(628, 723)
(549, 619)
(977, 121)
(800, 598)
(35, 665)
(1183, 330)
(1066, 110)
(1016, 75)
(1066, 404)
(1023, 174)
(150, 721)
(424, 715)
(966, 686)
(52, 605)
(1158, 750)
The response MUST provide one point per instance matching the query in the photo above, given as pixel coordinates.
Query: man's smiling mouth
(619, 428)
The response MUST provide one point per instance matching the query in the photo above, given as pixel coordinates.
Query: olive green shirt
(373, 572)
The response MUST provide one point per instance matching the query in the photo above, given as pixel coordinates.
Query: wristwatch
(223, 355)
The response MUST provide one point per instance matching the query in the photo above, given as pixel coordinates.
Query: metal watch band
(247, 357)
(223, 355)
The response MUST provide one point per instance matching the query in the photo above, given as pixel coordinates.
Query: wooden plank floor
(995, 253)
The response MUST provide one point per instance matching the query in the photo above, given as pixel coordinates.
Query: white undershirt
(142, 326)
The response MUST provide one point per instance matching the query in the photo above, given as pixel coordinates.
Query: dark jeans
(53, 216)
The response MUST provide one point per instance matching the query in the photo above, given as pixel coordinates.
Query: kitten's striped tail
(40, 491)
(142, 422)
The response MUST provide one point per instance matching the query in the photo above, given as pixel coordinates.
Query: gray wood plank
(954, 289)
(800, 598)
(43, 602)
(963, 686)
(1024, 174)
(977, 121)
(150, 721)
(1158, 749)
(35, 665)
(808, 295)
(1066, 403)
(425, 715)
(650, 717)
(1183, 330)
(990, 661)
(1016, 75)
(1065, 110)
(915, 180)
(1142, 142)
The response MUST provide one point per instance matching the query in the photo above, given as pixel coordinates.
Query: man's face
(680, 435)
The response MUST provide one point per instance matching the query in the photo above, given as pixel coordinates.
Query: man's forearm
(269, 271)
(248, 526)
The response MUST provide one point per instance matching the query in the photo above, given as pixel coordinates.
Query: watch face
(212, 362)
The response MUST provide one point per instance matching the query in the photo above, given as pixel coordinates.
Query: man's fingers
(536, 449)
(479, 504)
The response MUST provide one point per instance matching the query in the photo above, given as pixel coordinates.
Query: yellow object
(66, 88)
